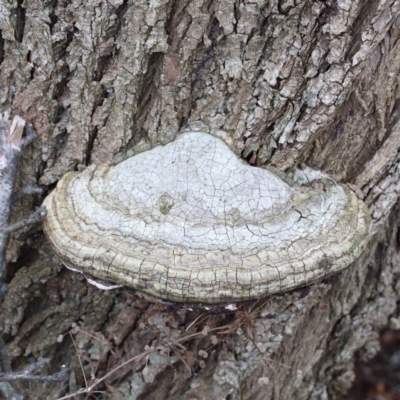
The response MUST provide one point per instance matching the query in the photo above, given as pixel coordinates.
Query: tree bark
(293, 83)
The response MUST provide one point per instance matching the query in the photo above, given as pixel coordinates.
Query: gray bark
(293, 83)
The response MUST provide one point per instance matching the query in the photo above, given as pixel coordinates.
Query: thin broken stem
(36, 217)
(79, 358)
(89, 389)
(11, 145)
(31, 188)
(10, 392)
(176, 346)
(27, 373)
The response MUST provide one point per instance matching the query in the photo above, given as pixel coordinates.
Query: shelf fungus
(190, 222)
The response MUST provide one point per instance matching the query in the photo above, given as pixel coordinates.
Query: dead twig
(31, 188)
(27, 373)
(36, 217)
(244, 319)
(12, 143)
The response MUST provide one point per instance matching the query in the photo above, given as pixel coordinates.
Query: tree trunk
(293, 83)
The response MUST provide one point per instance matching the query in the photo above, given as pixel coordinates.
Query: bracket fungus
(191, 222)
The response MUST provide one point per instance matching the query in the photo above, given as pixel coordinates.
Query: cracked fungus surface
(191, 222)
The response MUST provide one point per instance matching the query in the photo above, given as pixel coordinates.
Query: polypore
(192, 222)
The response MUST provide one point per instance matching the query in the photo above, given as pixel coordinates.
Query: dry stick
(224, 330)
(79, 358)
(36, 217)
(108, 343)
(173, 346)
(112, 330)
(89, 389)
(11, 145)
(194, 322)
(26, 374)
(31, 188)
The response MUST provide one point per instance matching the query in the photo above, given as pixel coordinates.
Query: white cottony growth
(190, 221)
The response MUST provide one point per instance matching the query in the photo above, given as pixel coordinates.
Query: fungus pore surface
(191, 222)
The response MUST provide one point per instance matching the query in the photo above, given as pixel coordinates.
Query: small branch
(11, 144)
(31, 188)
(9, 392)
(36, 217)
(89, 389)
(27, 373)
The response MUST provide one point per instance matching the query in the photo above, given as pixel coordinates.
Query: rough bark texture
(293, 83)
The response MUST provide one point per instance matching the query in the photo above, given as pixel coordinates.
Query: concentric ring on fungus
(191, 222)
